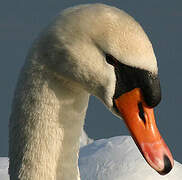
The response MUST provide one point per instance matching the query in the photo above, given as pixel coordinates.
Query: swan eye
(141, 112)
(111, 60)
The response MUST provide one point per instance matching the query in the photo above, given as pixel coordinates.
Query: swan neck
(45, 126)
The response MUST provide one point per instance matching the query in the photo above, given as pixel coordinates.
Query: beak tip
(168, 165)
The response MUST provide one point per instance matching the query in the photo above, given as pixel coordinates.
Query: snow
(116, 158)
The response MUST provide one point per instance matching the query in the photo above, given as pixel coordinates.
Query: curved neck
(45, 125)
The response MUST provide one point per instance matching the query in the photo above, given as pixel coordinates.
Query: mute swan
(88, 49)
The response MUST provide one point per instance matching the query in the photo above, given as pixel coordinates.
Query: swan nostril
(141, 112)
(167, 166)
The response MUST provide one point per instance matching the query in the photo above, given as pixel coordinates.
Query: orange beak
(140, 121)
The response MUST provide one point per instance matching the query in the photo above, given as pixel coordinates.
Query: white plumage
(118, 158)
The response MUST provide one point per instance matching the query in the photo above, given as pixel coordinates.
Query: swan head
(106, 52)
